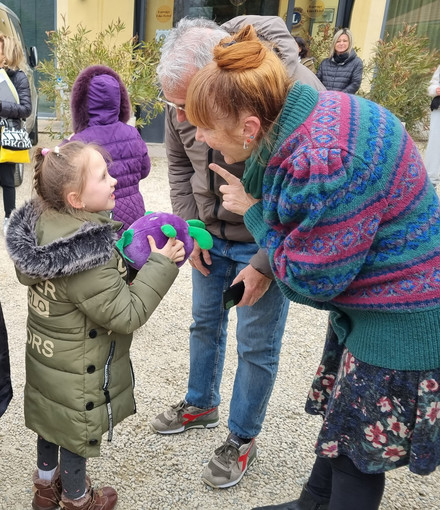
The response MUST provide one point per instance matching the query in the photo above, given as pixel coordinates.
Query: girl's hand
(174, 249)
(235, 198)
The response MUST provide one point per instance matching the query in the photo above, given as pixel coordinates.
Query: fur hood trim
(80, 92)
(92, 245)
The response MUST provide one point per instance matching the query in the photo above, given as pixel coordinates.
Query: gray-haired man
(262, 311)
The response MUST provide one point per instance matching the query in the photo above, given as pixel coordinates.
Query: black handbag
(15, 139)
(435, 103)
(15, 143)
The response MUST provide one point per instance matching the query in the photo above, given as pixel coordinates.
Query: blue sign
(296, 19)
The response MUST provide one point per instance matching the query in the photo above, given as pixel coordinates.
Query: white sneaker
(5, 226)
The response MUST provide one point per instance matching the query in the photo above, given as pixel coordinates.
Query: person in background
(100, 111)
(5, 367)
(342, 70)
(82, 312)
(432, 153)
(303, 55)
(336, 193)
(11, 57)
(235, 257)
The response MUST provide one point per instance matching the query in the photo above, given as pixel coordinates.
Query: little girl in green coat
(82, 311)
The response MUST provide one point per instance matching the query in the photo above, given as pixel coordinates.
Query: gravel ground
(159, 473)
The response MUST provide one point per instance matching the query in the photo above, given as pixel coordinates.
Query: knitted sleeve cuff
(253, 219)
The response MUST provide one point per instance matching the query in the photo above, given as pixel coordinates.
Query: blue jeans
(259, 332)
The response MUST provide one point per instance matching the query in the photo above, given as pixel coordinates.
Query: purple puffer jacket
(100, 109)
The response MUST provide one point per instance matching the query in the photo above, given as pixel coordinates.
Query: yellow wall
(366, 24)
(96, 15)
(282, 8)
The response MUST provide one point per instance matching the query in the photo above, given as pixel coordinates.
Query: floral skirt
(380, 418)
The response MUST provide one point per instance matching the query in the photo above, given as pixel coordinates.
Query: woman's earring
(247, 142)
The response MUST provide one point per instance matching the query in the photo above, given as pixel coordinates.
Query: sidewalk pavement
(153, 472)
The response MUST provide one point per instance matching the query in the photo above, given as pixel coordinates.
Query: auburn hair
(244, 76)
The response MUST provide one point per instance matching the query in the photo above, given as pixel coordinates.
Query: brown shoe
(99, 499)
(47, 494)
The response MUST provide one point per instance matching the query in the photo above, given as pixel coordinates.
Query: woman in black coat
(11, 55)
(343, 69)
(5, 370)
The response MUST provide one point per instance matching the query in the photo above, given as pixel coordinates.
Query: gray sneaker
(229, 462)
(182, 416)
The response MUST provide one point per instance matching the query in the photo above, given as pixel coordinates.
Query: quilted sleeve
(22, 110)
(320, 226)
(103, 295)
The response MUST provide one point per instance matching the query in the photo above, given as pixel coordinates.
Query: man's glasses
(169, 103)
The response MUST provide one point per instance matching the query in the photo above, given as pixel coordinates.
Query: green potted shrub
(398, 74)
(319, 44)
(71, 52)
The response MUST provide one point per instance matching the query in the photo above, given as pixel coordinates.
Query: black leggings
(7, 182)
(347, 488)
(72, 467)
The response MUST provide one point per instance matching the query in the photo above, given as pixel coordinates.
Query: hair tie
(45, 151)
(226, 45)
(56, 150)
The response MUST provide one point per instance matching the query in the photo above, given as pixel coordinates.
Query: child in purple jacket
(100, 108)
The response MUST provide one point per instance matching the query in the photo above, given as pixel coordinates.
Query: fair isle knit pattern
(351, 221)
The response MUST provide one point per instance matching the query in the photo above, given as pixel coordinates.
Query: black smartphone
(233, 295)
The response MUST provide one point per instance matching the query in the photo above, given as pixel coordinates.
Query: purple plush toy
(134, 244)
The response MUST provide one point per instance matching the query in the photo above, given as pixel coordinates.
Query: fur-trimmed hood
(84, 245)
(98, 92)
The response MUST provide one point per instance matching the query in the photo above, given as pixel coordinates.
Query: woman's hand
(256, 285)
(235, 198)
(174, 249)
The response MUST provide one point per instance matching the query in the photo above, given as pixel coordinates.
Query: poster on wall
(159, 18)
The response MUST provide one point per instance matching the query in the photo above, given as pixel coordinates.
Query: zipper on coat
(133, 383)
(217, 199)
(106, 392)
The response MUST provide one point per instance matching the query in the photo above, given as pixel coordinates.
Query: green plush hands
(197, 230)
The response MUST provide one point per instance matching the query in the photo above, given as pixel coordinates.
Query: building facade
(369, 20)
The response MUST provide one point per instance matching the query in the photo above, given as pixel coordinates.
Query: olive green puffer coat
(82, 314)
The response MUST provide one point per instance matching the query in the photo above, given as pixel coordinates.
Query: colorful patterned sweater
(352, 225)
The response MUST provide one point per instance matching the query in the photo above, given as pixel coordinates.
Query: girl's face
(98, 194)
(229, 143)
(342, 44)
